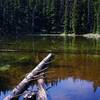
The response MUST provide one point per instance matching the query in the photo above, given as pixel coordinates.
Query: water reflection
(78, 66)
(74, 89)
(3, 94)
(74, 74)
(54, 44)
(69, 89)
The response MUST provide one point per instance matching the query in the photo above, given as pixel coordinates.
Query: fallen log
(37, 95)
(22, 86)
(30, 95)
(41, 95)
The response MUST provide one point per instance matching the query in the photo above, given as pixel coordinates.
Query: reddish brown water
(73, 75)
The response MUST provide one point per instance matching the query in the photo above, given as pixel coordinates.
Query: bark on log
(41, 95)
(30, 95)
(22, 86)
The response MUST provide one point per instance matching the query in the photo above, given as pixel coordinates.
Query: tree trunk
(22, 86)
(42, 95)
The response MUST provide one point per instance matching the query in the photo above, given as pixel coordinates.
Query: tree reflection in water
(76, 69)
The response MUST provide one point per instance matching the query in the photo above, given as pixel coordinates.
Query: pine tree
(31, 16)
(57, 15)
(62, 14)
(76, 17)
(50, 16)
(38, 16)
(85, 16)
(90, 16)
(67, 18)
(53, 15)
(97, 16)
(1, 17)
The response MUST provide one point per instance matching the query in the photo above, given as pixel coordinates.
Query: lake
(74, 74)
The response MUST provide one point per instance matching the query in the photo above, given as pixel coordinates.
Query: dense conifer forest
(18, 17)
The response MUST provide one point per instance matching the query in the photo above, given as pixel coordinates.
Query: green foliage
(4, 67)
(18, 17)
(97, 16)
(76, 17)
(67, 18)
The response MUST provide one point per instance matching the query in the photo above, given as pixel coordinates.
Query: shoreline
(89, 35)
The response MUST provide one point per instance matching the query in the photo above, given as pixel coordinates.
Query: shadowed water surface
(73, 75)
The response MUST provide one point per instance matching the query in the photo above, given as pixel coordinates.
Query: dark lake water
(74, 74)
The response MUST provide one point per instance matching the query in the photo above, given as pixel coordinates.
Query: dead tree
(22, 86)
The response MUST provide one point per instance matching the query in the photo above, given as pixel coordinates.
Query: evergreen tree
(62, 14)
(97, 16)
(85, 16)
(67, 18)
(90, 17)
(50, 16)
(76, 17)
(32, 16)
(1, 17)
(53, 15)
(57, 15)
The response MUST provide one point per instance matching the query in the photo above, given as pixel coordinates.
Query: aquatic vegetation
(4, 67)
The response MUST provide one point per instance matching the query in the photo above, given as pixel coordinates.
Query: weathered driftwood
(38, 95)
(41, 95)
(30, 95)
(22, 86)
